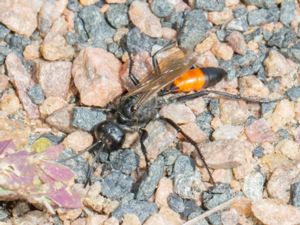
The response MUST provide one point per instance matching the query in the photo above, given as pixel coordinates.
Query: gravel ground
(64, 65)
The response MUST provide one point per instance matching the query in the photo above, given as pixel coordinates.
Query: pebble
(263, 16)
(3, 32)
(251, 86)
(179, 113)
(203, 120)
(222, 51)
(149, 183)
(207, 59)
(3, 83)
(115, 1)
(237, 42)
(86, 118)
(22, 82)
(276, 65)
(88, 2)
(238, 24)
(141, 16)
(36, 94)
(254, 185)
(219, 18)
(194, 131)
(9, 102)
(233, 112)
(168, 33)
(227, 132)
(50, 105)
(142, 209)
(164, 189)
(54, 78)
(62, 119)
(78, 140)
(96, 76)
(283, 114)
(293, 93)
(206, 44)
(260, 131)
(176, 203)
(160, 136)
(193, 30)
(213, 5)
(216, 195)
(101, 205)
(165, 217)
(274, 212)
(162, 8)
(287, 12)
(34, 217)
(124, 160)
(289, 148)
(280, 182)
(170, 156)
(225, 154)
(222, 175)
(295, 194)
(116, 185)
(117, 15)
(258, 152)
(131, 219)
(138, 41)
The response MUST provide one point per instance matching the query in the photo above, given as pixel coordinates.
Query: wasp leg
(189, 139)
(223, 94)
(155, 64)
(88, 176)
(134, 80)
(143, 135)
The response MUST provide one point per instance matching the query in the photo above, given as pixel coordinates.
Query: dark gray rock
(261, 3)
(250, 120)
(153, 176)
(86, 118)
(78, 164)
(90, 18)
(294, 53)
(238, 24)
(17, 42)
(117, 15)
(229, 68)
(190, 207)
(217, 195)
(255, 35)
(193, 30)
(295, 194)
(138, 41)
(287, 12)
(170, 156)
(116, 185)
(184, 165)
(176, 20)
(115, 49)
(72, 38)
(262, 16)
(267, 107)
(4, 51)
(103, 35)
(142, 209)
(240, 11)
(4, 214)
(274, 84)
(36, 94)
(124, 160)
(3, 32)
(221, 34)
(161, 8)
(293, 93)
(215, 219)
(73, 5)
(213, 5)
(283, 38)
(258, 152)
(176, 203)
(214, 107)
(283, 134)
(55, 139)
(203, 120)
(196, 214)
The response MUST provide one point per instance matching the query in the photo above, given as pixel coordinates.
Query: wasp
(173, 74)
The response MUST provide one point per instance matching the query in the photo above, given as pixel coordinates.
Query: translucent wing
(171, 67)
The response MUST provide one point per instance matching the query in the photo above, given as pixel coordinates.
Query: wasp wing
(171, 68)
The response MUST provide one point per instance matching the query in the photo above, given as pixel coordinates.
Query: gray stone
(36, 94)
(215, 219)
(196, 214)
(262, 16)
(261, 3)
(203, 120)
(287, 12)
(161, 8)
(254, 185)
(221, 34)
(267, 107)
(283, 134)
(115, 49)
(238, 24)
(116, 185)
(78, 164)
(153, 176)
(217, 195)
(124, 160)
(294, 53)
(86, 118)
(274, 84)
(4, 51)
(184, 165)
(73, 5)
(295, 194)
(55, 139)
(72, 38)
(91, 18)
(138, 41)
(142, 209)
(176, 203)
(176, 20)
(103, 35)
(17, 42)
(240, 11)
(170, 156)
(213, 5)
(193, 30)
(117, 15)
(293, 93)
(282, 38)
(258, 152)
(190, 207)
(4, 214)
(3, 32)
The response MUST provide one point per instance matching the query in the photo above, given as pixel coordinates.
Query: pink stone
(222, 51)
(20, 15)
(237, 42)
(111, 221)
(131, 219)
(88, 2)
(9, 102)
(96, 76)
(50, 105)
(178, 112)
(251, 86)
(115, 1)
(78, 140)
(207, 59)
(142, 17)
(194, 131)
(233, 112)
(62, 119)
(54, 77)
(222, 17)
(230, 217)
(283, 114)
(260, 131)
(22, 82)
(276, 64)
(168, 33)
(166, 216)
(32, 51)
(164, 188)
(3, 82)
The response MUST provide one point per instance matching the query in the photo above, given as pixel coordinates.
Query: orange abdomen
(192, 80)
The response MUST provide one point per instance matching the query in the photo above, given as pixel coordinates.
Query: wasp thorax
(110, 134)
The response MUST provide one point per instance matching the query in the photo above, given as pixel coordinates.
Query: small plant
(36, 177)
